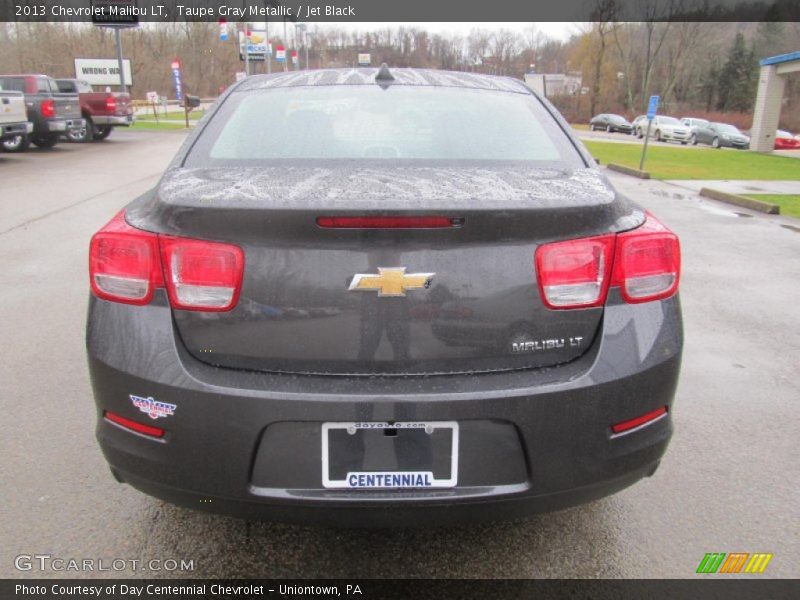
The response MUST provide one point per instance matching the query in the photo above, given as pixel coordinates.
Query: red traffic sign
(176, 64)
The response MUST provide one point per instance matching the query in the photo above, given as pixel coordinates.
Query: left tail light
(111, 104)
(124, 264)
(202, 275)
(127, 265)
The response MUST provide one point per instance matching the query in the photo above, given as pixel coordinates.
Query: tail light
(575, 273)
(123, 263)
(111, 104)
(127, 265)
(648, 262)
(48, 108)
(644, 263)
(202, 275)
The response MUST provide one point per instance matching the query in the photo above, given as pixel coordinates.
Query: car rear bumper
(64, 125)
(248, 444)
(11, 130)
(114, 120)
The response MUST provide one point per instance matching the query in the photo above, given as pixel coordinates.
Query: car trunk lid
(452, 299)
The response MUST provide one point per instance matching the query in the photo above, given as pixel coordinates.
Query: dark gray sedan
(720, 135)
(610, 123)
(383, 297)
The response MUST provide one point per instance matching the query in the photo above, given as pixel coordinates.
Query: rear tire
(46, 141)
(102, 133)
(591, 127)
(83, 135)
(19, 143)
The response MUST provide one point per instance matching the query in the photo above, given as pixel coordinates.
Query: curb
(628, 171)
(757, 205)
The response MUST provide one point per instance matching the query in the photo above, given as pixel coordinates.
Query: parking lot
(727, 484)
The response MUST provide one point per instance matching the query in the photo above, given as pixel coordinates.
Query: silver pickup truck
(14, 123)
(52, 113)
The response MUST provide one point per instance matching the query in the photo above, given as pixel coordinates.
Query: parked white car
(664, 129)
(693, 123)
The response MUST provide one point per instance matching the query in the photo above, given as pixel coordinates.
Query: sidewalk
(735, 186)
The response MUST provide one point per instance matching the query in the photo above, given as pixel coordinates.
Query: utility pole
(268, 57)
(246, 52)
(285, 43)
(122, 87)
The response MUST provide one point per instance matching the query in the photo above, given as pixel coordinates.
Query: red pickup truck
(102, 110)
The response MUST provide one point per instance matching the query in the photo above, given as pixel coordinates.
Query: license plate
(379, 455)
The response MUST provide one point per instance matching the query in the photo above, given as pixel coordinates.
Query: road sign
(364, 59)
(652, 108)
(223, 30)
(280, 54)
(294, 57)
(152, 97)
(116, 13)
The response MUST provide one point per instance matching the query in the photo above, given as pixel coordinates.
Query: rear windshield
(12, 84)
(367, 122)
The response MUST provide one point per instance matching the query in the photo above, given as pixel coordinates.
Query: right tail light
(644, 263)
(48, 108)
(647, 264)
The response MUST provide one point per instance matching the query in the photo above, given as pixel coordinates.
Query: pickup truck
(51, 112)
(14, 124)
(102, 110)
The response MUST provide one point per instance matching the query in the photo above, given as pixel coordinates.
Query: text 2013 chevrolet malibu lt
(378, 297)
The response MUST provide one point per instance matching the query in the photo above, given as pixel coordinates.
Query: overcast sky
(560, 31)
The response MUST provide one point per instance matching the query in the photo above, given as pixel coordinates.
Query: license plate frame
(390, 479)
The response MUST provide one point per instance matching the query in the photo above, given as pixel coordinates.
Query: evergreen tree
(735, 84)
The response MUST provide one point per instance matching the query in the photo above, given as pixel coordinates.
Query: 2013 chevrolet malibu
(383, 297)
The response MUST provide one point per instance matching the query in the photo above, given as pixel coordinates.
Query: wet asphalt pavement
(729, 481)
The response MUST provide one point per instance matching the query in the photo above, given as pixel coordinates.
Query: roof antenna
(384, 78)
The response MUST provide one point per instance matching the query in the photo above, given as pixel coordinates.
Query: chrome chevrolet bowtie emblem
(390, 282)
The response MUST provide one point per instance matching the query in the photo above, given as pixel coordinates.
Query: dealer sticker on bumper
(402, 455)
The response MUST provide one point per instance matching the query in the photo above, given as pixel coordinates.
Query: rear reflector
(156, 432)
(389, 222)
(574, 273)
(645, 419)
(124, 264)
(202, 275)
